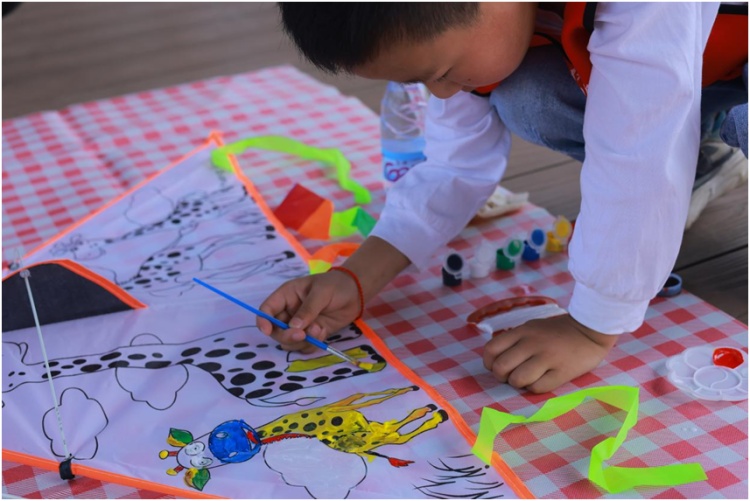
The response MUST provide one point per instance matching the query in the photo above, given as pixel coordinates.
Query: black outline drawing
(465, 478)
(173, 262)
(76, 454)
(227, 356)
(183, 217)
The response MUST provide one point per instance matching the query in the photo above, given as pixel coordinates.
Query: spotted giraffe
(260, 373)
(185, 216)
(171, 271)
(339, 425)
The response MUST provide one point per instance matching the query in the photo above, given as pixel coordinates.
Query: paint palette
(710, 373)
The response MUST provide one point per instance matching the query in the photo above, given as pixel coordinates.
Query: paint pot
(559, 236)
(452, 270)
(533, 247)
(507, 257)
(481, 264)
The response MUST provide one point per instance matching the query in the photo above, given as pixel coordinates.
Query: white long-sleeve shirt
(642, 133)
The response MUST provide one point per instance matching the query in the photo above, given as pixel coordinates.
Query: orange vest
(723, 59)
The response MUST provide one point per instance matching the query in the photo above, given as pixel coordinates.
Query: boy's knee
(520, 101)
(540, 102)
(734, 128)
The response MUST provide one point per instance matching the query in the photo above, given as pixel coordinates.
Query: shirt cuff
(604, 314)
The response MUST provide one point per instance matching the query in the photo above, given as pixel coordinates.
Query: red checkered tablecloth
(60, 166)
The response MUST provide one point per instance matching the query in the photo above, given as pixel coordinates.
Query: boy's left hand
(543, 354)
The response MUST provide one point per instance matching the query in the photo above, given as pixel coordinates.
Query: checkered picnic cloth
(60, 166)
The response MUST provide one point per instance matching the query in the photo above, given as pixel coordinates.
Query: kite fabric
(187, 397)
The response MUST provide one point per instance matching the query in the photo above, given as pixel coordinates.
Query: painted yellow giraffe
(339, 425)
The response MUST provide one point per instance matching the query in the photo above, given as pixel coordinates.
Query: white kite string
(25, 275)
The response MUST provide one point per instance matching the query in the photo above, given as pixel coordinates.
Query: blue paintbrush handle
(275, 321)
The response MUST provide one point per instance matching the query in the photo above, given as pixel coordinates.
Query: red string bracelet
(359, 288)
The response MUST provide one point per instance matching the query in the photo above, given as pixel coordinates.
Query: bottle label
(396, 165)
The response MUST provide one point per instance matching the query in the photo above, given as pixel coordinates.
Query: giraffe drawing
(184, 217)
(340, 425)
(173, 258)
(260, 373)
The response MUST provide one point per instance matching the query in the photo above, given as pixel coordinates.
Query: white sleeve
(467, 149)
(642, 133)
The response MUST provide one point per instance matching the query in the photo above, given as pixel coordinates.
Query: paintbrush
(315, 342)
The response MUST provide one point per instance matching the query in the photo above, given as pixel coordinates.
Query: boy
(636, 125)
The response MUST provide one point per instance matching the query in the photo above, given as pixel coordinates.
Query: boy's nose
(443, 90)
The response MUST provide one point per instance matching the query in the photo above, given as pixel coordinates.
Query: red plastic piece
(306, 212)
(728, 357)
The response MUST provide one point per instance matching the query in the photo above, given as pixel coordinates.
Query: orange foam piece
(299, 205)
(329, 253)
(318, 224)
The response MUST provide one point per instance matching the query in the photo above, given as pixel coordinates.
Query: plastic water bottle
(402, 118)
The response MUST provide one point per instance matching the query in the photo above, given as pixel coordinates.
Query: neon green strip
(330, 156)
(342, 223)
(351, 221)
(614, 478)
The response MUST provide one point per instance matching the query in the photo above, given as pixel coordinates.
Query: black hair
(338, 37)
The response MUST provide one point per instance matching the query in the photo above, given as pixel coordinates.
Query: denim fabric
(541, 103)
(734, 129)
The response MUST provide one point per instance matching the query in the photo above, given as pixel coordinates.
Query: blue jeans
(541, 103)
(734, 129)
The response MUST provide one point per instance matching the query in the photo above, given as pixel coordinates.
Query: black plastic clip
(66, 469)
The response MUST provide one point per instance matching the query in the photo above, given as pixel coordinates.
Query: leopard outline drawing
(247, 370)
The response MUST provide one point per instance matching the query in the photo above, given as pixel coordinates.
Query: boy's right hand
(317, 305)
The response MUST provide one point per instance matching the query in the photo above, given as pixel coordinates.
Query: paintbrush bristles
(362, 365)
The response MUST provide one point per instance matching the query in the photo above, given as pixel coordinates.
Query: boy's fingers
(496, 346)
(528, 372)
(285, 298)
(269, 329)
(309, 310)
(264, 325)
(278, 305)
(506, 363)
(548, 382)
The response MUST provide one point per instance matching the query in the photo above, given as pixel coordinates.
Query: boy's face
(482, 53)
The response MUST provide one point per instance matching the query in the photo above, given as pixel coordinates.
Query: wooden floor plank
(721, 281)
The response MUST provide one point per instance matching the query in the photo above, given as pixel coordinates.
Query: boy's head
(448, 46)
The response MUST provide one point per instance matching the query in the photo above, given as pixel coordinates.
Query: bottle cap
(513, 249)
(451, 271)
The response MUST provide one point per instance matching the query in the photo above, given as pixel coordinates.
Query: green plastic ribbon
(329, 156)
(613, 479)
(351, 221)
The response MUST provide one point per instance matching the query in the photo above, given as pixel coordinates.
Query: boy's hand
(317, 305)
(322, 304)
(545, 353)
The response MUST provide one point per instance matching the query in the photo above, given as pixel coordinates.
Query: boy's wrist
(375, 263)
(605, 314)
(603, 340)
(357, 283)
